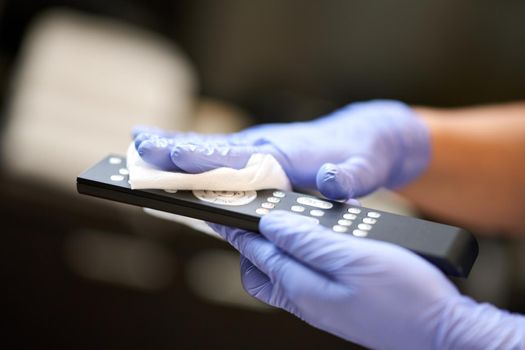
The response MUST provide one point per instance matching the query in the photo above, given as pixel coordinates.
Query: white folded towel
(261, 172)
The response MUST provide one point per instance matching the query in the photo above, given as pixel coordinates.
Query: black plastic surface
(450, 248)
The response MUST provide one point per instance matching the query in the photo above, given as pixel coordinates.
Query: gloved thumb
(309, 243)
(355, 177)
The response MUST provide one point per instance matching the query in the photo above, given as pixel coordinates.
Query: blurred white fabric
(82, 83)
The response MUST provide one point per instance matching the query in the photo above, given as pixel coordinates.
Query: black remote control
(450, 248)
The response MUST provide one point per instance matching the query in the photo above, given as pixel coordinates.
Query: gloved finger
(258, 285)
(183, 137)
(270, 260)
(198, 158)
(234, 235)
(255, 282)
(152, 130)
(156, 151)
(314, 245)
(355, 177)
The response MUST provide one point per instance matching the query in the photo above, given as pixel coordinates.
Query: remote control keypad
(356, 221)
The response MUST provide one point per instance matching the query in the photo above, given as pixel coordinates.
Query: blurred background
(76, 75)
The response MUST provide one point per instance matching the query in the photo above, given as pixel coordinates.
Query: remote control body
(450, 248)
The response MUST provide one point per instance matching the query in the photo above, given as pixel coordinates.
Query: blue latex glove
(348, 153)
(369, 292)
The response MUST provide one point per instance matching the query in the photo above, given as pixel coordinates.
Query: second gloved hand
(373, 293)
(346, 154)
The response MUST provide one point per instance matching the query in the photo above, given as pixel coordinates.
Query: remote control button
(354, 210)
(115, 160)
(374, 214)
(279, 194)
(273, 199)
(338, 228)
(225, 197)
(316, 212)
(359, 233)
(262, 211)
(268, 205)
(170, 191)
(344, 222)
(297, 208)
(313, 202)
(349, 216)
(369, 221)
(123, 171)
(364, 227)
(117, 177)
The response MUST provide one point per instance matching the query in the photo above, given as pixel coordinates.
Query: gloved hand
(346, 154)
(369, 292)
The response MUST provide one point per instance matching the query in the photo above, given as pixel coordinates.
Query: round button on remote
(354, 210)
(226, 197)
(344, 222)
(316, 212)
(349, 216)
(273, 199)
(117, 177)
(279, 194)
(359, 233)
(115, 160)
(364, 227)
(374, 214)
(339, 228)
(262, 211)
(268, 205)
(369, 221)
(297, 208)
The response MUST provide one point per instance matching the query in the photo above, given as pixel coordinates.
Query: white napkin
(262, 171)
